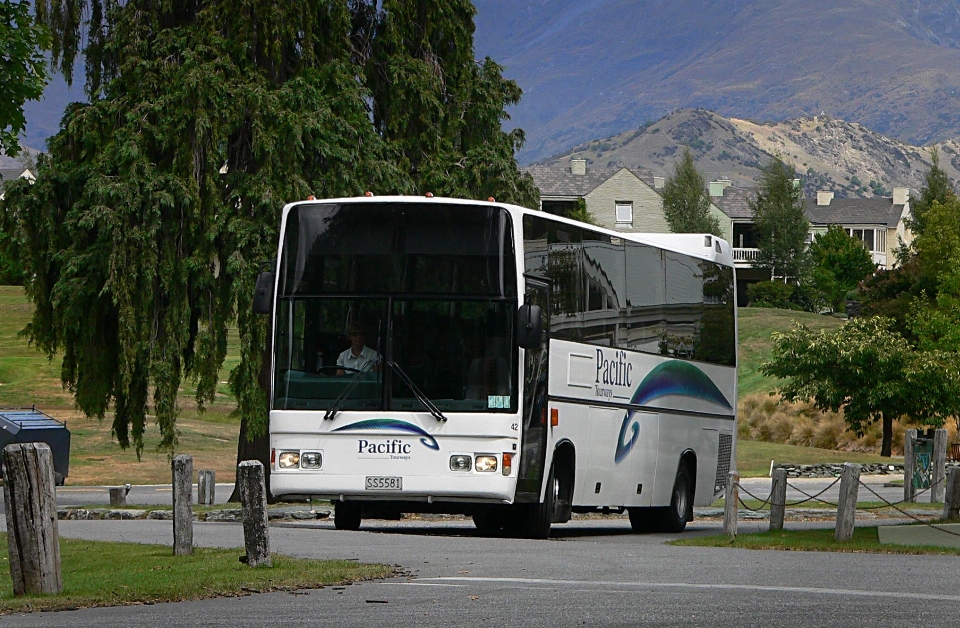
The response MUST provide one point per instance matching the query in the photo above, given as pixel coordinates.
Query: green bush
(770, 294)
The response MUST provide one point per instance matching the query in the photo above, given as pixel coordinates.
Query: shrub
(770, 294)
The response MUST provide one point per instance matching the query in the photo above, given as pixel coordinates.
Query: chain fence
(816, 497)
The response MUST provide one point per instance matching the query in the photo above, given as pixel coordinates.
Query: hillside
(596, 68)
(830, 154)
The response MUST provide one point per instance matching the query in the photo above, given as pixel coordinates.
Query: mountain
(596, 68)
(830, 154)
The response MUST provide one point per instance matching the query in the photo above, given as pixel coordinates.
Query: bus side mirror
(263, 293)
(529, 326)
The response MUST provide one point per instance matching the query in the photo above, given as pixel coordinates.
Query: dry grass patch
(767, 418)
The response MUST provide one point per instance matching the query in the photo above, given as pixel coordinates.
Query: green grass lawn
(97, 573)
(865, 540)
(756, 326)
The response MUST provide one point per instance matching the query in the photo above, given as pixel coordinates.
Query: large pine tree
(686, 204)
(161, 196)
(780, 224)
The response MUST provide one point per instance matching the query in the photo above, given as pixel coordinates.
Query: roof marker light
(368, 193)
(429, 194)
(311, 198)
(491, 199)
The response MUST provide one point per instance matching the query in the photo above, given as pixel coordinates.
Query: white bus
(452, 356)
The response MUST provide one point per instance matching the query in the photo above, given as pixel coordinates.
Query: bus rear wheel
(346, 516)
(675, 518)
(644, 519)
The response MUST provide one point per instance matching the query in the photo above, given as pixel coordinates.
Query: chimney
(717, 187)
(824, 197)
(578, 166)
(658, 183)
(901, 195)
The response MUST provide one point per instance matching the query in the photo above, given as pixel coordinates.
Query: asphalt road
(591, 572)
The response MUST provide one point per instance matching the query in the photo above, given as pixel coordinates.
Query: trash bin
(922, 458)
(29, 425)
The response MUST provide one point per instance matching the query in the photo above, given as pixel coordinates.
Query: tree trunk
(886, 445)
(257, 447)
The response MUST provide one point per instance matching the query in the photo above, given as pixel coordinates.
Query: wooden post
(847, 504)
(33, 537)
(206, 487)
(778, 499)
(938, 467)
(253, 497)
(951, 502)
(731, 499)
(118, 496)
(182, 505)
(909, 438)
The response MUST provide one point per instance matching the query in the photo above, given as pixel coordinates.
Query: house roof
(557, 180)
(735, 203)
(854, 211)
(11, 174)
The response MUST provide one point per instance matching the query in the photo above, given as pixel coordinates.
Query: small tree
(867, 370)
(937, 187)
(839, 263)
(780, 224)
(686, 204)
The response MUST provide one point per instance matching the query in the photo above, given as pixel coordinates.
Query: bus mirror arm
(529, 326)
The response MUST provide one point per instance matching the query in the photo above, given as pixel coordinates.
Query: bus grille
(723, 463)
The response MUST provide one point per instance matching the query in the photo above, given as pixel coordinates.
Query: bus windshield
(373, 298)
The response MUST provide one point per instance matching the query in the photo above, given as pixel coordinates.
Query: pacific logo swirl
(392, 424)
(669, 378)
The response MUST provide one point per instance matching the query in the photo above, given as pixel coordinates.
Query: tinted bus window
(645, 291)
(604, 275)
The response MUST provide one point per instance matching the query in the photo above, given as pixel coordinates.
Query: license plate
(384, 483)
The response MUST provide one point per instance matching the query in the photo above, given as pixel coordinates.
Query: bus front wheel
(488, 521)
(543, 514)
(346, 516)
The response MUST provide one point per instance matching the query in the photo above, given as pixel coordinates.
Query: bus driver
(358, 356)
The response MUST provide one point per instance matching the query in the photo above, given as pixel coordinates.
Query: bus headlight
(311, 460)
(289, 459)
(460, 462)
(486, 464)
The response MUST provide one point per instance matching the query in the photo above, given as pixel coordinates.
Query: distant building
(878, 222)
(12, 174)
(618, 198)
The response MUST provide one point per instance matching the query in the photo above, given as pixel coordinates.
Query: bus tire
(644, 519)
(674, 518)
(346, 516)
(542, 514)
(488, 521)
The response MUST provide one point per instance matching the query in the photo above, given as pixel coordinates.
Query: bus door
(534, 410)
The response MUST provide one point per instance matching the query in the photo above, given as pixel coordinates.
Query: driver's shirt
(358, 362)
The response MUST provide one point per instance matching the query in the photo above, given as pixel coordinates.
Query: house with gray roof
(619, 198)
(878, 222)
(11, 174)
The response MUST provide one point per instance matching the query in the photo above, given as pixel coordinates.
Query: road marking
(694, 585)
(428, 584)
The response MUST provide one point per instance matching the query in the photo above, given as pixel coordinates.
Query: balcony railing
(745, 255)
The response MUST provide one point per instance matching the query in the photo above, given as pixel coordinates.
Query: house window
(865, 236)
(624, 211)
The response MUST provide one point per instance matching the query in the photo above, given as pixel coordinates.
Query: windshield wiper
(335, 406)
(422, 398)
